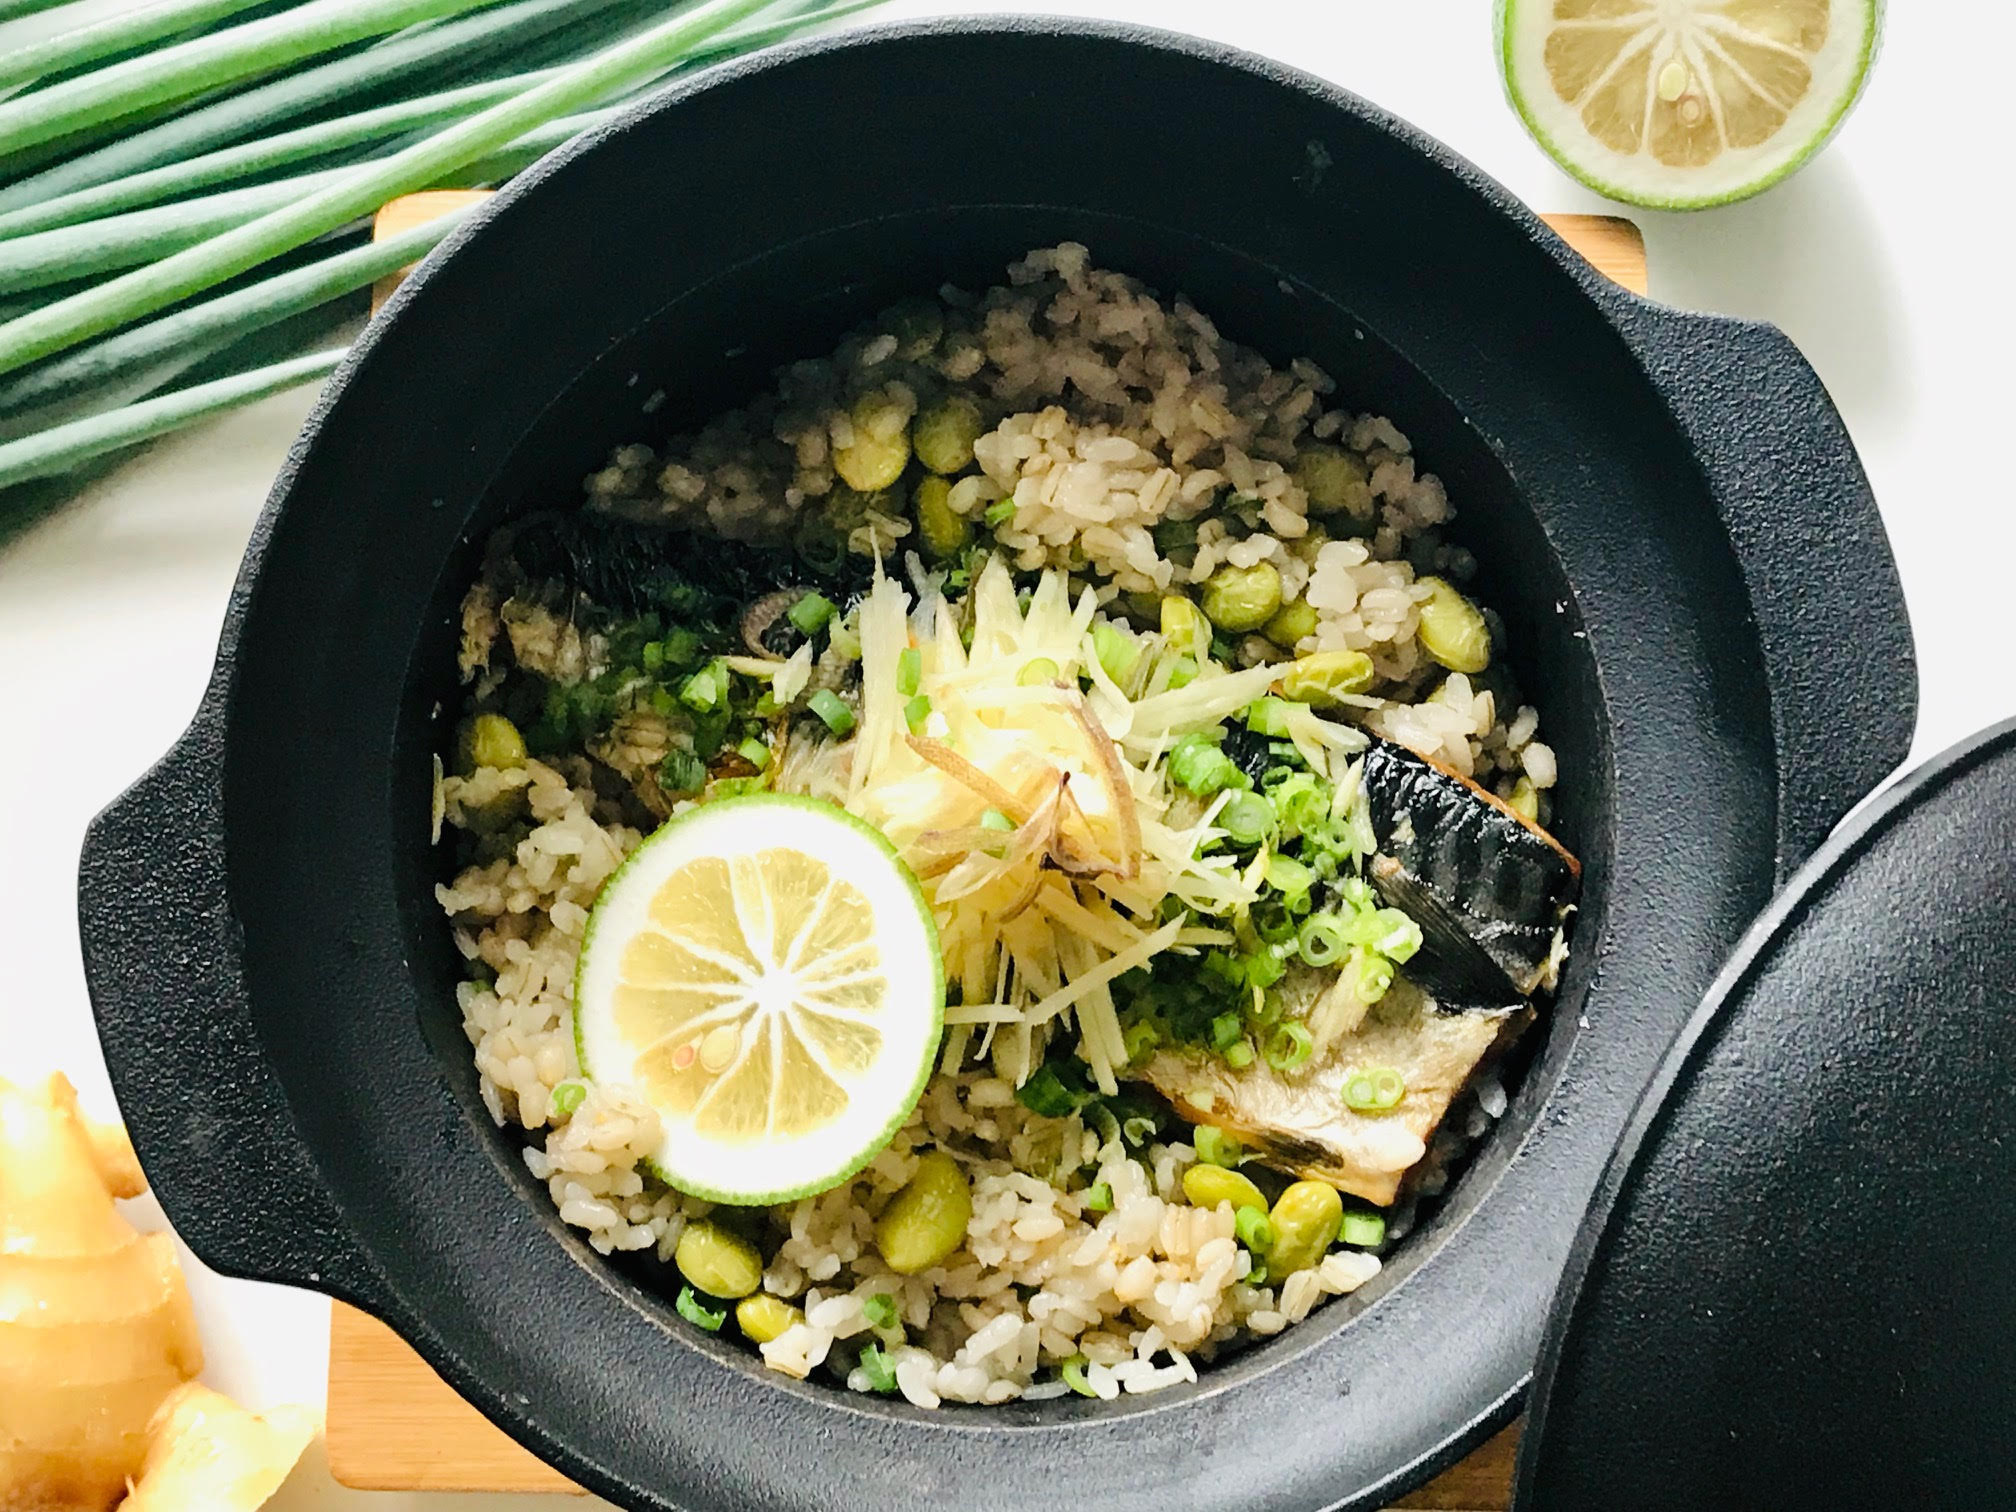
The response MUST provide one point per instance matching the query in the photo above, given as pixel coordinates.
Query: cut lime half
(765, 973)
(1684, 104)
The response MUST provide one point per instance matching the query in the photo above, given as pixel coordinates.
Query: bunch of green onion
(185, 188)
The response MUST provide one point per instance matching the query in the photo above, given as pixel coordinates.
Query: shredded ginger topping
(1036, 815)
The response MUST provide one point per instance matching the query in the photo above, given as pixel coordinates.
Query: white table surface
(1881, 259)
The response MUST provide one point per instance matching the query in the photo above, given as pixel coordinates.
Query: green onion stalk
(361, 191)
(50, 452)
(80, 45)
(104, 209)
(156, 351)
(187, 68)
(459, 44)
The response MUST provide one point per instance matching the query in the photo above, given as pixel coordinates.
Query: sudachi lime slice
(1682, 104)
(765, 973)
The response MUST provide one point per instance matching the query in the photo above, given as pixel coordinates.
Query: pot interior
(717, 345)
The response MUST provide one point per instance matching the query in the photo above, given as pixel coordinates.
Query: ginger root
(208, 1454)
(97, 1337)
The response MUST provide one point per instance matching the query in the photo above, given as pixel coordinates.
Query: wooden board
(395, 1426)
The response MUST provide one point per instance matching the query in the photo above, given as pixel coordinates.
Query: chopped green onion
(880, 1310)
(1138, 1038)
(1182, 672)
(1119, 653)
(681, 772)
(1138, 1130)
(1240, 1055)
(705, 689)
(994, 819)
(1272, 922)
(1263, 968)
(812, 613)
(1363, 1230)
(998, 512)
(1098, 1198)
(1225, 1030)
(1321, 940)
(1289, 1046)
(916, 712)
(1302, 802)
(1045, 1093)
(755, 752)
(1038, 669)
(1214, 1146)
(1288, 876)
(1402, 937)
(1377, 1090)
(1073, 1373)
(736, 787)
(1198, 766)
(1254, 1229)
(567, 1097)
(909, 671)
(1257, 1276)
(841, 637)
(832, 712)
(876, 1367)
(1371, 976)
(1267, 716)
(690, 1308)
(1247, 819)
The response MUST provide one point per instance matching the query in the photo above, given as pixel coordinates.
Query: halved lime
(765, 973)
(1683, 104)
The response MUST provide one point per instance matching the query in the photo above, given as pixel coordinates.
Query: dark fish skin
(1488, 889)
(630, 568)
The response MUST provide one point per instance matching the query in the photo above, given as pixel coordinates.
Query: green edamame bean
(926, 1221)
(1453, 631)
(495, 742)
(763, 1317)
(943, 528)
(1305, 1220)
(1238, 599)
(1335, 480)
(1290, 623)
(716, 1261)
(1183, 627)
(944, 434)
(1208, 1185)
(880, 449)
(1322, 678)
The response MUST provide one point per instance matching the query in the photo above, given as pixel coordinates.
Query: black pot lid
(1796, 1285)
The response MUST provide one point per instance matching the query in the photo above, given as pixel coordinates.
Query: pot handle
(164, 962)
(1823, 586)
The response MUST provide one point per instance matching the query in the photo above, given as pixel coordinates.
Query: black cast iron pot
(1666, 506)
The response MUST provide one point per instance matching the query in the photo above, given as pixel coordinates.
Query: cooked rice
(1125, 412)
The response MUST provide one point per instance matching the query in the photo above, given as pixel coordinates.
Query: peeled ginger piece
(207, 1454)
(95, 1323)
(98, 1340)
